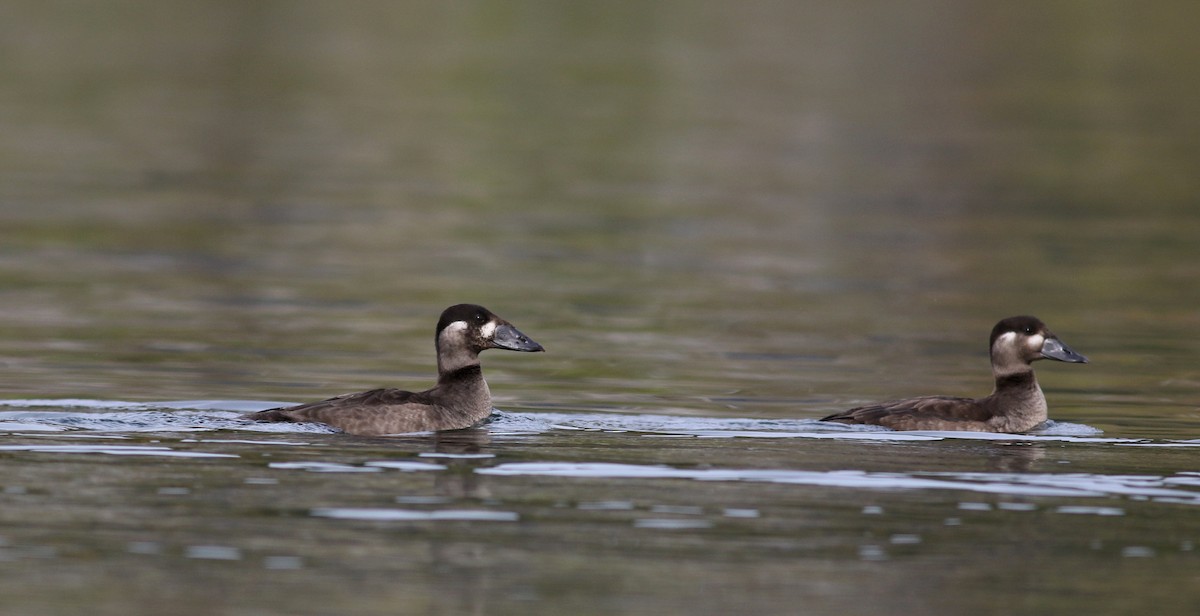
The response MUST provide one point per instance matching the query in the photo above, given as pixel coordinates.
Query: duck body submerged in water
(460, 399)
(1016, 405)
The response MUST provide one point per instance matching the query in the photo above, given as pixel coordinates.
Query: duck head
(1019, 341)
(465, 330)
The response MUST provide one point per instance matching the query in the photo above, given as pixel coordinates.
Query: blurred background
(766, 209)
(710, 214)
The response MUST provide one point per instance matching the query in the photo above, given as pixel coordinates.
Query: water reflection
(727, 220)
(467, 444)
(410, 515)
(1071, 485)
(458, 508)
(1016, 457)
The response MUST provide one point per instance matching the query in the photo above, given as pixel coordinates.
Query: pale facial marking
(1006, 339)
(488, 330)
(454, 349)
(455, 328)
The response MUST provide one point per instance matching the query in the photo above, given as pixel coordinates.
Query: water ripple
(411, 515)
(214, 415)
(115, 450)
(1033, 484)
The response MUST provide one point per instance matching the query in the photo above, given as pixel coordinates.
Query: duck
(461, 399)
(1015, 405)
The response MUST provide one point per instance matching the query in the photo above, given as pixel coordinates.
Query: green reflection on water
(756, 210)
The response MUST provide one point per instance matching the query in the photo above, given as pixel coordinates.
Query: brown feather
(1015, 405)
(460, 399)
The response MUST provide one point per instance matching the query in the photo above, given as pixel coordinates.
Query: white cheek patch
(454, 329)
(1003, 345)
(488, 330)
(1036, 341)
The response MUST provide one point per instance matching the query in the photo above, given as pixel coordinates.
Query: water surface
(723, 222)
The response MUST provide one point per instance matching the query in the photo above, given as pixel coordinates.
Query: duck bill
(1053, 348)
(509, 337)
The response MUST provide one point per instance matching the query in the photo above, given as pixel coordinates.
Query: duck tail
(271, 415)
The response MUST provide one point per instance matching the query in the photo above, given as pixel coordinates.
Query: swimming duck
(1016, 405)
(460, 399)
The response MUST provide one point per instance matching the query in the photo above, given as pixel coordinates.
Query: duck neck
(451, 359)
(1018, 403)
(463, 396)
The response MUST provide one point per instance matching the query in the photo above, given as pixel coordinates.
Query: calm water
(722, 220)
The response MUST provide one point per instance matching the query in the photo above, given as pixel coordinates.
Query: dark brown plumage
(1015, 405)
(460, 399)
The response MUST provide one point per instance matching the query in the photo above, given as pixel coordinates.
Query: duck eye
(1028, 329)
(480, 317)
